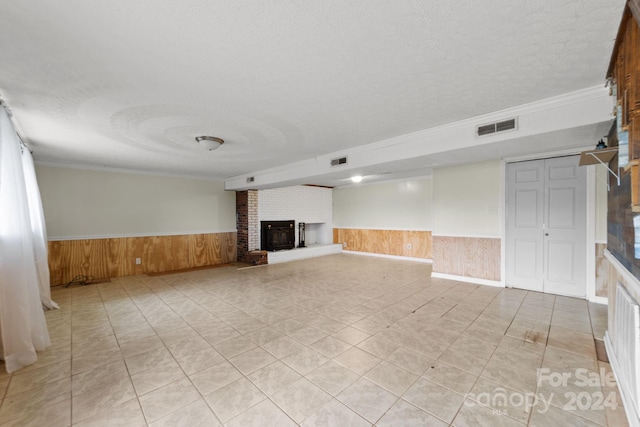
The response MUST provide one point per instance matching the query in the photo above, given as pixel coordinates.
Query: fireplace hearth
(277, 235)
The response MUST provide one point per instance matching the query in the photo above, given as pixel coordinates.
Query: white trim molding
(475, 280)
(404, 258)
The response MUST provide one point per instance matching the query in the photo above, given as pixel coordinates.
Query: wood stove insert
(277, 235)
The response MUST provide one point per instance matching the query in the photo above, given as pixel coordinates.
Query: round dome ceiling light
(209, 142)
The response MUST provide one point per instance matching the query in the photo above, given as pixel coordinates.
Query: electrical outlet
(408, 245)
(344, 244)
(138, 261)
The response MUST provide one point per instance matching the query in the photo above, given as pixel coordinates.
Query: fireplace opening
(277, 235)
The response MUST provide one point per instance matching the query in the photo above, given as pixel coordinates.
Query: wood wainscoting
(385, 242)
(115, 257)
(475, 257)
(602, 271)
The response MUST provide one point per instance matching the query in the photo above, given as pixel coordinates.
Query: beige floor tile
(136, 333)
(298, 319)
(572, 341)
(301, 399)
(330, 347)
(264, 336)
(589, 406)
(351, 335)
(391, 378)
(469, 354)
(252, 360)
(289, 326)
(234, 398)
(473, 414)
(332, 377)
(168, 399)
(234, 347)
(215, 377)
(305, 361)
(196, 414)
(283, 346)
(22, 404)
(194, 360)
(101, 377)
(24, 381)
(221, 335)
(153, 359)
(529, 330)
(57, 414)
(378, 347)
(557, 417)
(152, 379)
(308, 335)
(94, 345)
(336, 414)
(412, 361)
(264, 414)
(367, 399)
(141, 346)
(437, 400)
(510, 371)
(450, 377)
(405, 414)
(127, 414)
(529, 351)
(580, 323)
(100, 399)
(506, 401)
(357, 360)
(274, 377)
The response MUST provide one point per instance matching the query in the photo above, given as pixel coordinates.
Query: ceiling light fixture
(209, 142)
(356, 178)
(601, 144)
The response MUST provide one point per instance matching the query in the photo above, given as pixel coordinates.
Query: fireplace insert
(277, 235)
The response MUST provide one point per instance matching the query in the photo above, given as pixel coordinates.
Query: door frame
(590, 252)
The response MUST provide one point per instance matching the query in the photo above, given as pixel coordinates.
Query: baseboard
(599, 300)
(405, 258)
(475, 280)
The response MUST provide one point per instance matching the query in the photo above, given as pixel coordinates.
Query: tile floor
(341, 340)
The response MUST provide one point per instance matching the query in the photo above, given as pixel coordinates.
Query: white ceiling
(128, 85)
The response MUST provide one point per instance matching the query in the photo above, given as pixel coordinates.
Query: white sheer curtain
(23, 329)
(39, 230)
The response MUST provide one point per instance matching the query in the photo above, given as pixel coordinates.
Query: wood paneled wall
(602, 271)
(115, 257)
(386, 242)
(476, 257)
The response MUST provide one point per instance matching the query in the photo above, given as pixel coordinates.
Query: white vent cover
(250, 179)
(339, 161)
(497, 127)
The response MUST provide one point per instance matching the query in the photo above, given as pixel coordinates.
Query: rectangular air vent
(497, 127)
(251, 179)
(339, 161)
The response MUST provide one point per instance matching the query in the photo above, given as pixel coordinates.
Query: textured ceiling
(130, 84)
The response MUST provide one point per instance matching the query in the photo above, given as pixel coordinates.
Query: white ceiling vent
(250, 179)
(339, 161)
(497, 127)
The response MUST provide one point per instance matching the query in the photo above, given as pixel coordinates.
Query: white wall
(302, 204)
(602, 175)
(399, 205)
(467, 200)
(88, 204)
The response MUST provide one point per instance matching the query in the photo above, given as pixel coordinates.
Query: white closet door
(546, 226)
